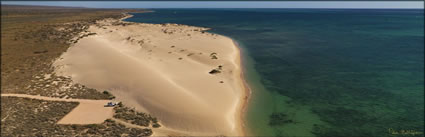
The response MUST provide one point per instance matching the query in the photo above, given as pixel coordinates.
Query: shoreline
(209, 99)
(247, 91)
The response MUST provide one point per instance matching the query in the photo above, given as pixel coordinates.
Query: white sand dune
(163, 70)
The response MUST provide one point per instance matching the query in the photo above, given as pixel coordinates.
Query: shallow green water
(323, 72)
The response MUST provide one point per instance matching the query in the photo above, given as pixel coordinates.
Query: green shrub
(156, 125)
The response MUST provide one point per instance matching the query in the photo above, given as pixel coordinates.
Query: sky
(230, 4)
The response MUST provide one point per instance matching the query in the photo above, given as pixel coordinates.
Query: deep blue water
(323, 72)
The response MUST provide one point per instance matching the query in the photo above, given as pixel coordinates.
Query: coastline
(236, 73)
(247, 92)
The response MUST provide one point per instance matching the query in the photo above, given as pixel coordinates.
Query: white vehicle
(111, 104)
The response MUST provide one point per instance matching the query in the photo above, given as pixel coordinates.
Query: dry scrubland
(32, 117)
(32, 37)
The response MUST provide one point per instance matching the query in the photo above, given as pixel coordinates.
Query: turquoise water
(323, 72)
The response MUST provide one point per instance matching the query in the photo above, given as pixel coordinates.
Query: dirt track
(87, 112)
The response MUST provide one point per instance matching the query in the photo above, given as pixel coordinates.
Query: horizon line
(226, 4)
(413, 8)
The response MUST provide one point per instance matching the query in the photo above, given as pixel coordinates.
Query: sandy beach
(188, 78)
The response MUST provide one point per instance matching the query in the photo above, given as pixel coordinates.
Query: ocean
(323, 72)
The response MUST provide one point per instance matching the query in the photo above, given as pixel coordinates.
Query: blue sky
(229, 4)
